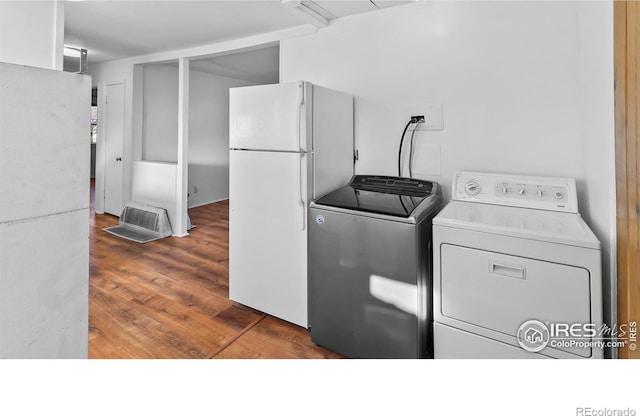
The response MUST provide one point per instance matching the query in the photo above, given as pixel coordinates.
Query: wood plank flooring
(169, 298)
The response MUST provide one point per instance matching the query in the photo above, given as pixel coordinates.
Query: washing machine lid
(534, 224)
(387, 195)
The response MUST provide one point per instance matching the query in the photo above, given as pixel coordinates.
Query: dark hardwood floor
(169, 298)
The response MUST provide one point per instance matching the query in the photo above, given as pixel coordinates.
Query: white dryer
(517, 271)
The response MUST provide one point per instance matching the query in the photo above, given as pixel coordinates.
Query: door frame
(627, 148)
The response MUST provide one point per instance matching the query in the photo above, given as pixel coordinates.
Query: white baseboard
(208, 202)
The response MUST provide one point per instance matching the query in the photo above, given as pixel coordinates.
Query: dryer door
(499, 292)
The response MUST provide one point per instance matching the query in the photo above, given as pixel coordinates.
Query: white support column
(180, 229)
(138, 151)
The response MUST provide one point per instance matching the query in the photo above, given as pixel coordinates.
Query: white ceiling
(260, 66)
(119, 29)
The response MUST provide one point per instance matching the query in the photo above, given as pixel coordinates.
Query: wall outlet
(195, 189)
(433, 116)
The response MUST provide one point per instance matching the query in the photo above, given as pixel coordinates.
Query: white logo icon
(533, 336)
(320, 219)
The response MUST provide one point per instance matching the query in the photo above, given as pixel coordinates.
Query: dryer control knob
(472, 188)
(521, 191)
(539, 193)
(558, 195)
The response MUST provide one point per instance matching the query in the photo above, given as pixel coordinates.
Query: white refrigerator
(289, 144)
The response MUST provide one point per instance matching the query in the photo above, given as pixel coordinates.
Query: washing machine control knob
(558, 195)
(539, 193)
(472, 188)
(521, 191)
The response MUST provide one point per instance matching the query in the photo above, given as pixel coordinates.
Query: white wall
(160, 113)
(209, 136)
(526, 87)
(32, 33)
(208, 127)
(598, 199)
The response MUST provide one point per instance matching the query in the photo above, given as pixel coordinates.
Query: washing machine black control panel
(548, 193)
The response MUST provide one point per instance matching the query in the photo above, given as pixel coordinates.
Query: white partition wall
(161, 111)
(155, 184)
(44, 212)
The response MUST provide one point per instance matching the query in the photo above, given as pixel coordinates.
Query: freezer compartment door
(273, 117)
(267, 232)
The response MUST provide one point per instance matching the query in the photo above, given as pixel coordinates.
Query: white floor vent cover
(142, 223)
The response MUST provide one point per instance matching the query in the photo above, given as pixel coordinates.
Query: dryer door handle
(518, 272)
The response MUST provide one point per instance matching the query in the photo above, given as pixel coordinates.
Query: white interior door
(114, 142)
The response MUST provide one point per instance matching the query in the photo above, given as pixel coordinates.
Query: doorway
(114, 144)
(210, 80)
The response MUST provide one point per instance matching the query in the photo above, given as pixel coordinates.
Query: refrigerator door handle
(301, 190)
(299, 115)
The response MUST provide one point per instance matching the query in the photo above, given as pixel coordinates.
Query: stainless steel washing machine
(370, 267)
